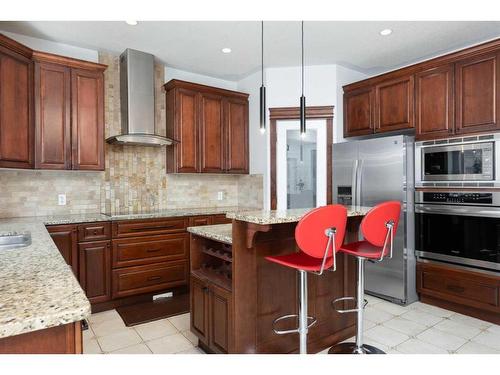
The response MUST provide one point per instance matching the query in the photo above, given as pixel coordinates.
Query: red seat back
(310, 231)
(374, 223)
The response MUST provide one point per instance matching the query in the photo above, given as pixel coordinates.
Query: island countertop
(37, 288)
(219, 232)
(266, 217)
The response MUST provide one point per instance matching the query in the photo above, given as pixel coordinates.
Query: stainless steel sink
(12, 240)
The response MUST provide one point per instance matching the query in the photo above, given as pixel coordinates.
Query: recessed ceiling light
(386, 32)
(131, 23)
(226, 50)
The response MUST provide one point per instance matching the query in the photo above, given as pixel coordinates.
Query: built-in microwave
(458, 162)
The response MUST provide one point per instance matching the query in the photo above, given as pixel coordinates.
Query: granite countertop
(37, 288)
(219, 232)
(265, 217)
(176, 212)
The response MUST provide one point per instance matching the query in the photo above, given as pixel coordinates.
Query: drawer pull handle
(152, 278)
(152, 250)
(455, 288)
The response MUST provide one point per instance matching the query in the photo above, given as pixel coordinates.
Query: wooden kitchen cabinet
(199, 308)
(95, 270)
(211, 126)
(220, 318)
(434, 102)
(477, 94)
(359, 112)
(16, 105)
(394, 105)
(52, 116)
(65, 238)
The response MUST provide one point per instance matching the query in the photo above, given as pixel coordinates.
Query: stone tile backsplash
(135, 178)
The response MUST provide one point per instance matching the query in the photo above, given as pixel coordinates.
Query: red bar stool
(318, 235)
(378, 228)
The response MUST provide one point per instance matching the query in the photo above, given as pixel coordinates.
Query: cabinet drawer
(94, 231)
(221, 219)
(153, 249)
(144, 279)
(195, 221)
(134, 228)
(459, 286)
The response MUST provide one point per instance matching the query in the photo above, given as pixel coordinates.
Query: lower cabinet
(95, 269)
(465, 291)
(65, 238)
(211, 314)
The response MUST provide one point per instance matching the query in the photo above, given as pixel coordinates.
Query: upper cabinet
(477, 93)
(452, 94)
(51, 110)
(211, 127)
(16, 105)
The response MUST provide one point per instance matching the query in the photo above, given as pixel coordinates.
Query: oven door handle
(458, 210)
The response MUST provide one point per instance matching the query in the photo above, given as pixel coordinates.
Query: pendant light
(262, 87)
(302, 98)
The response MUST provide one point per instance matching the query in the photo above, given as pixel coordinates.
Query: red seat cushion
(363, 249)
(301, 261)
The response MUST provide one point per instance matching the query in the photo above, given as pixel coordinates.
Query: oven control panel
(477, 198)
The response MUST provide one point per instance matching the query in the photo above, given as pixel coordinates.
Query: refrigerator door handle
(359, 182)
(354, 182)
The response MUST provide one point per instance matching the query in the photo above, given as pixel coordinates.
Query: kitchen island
(236, 294)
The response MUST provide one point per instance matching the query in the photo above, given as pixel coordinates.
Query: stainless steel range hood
(137, 101)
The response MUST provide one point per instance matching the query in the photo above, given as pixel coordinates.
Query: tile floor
(415, 329)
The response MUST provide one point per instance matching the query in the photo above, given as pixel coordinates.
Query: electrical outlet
(220, 195)
(61, 199)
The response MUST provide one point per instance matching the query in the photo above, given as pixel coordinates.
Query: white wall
(55, 47)
(172, 73)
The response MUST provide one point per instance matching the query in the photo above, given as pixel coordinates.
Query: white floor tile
(169, 344)
(108, 327)
(192, 351)
(469, 320)
(91, 347)
(156, 329)
(181, 322)
(386, 336)
(88, 333)
(421, 317)
(191, 337)
(368, 324)
(119, 340)
(457, 329)
(472, 347)
(495, 328)
(102, 316)
(391, 308)
(405, 326)
(433, 310)
(377, 316)
(414, 346)
(489, 339)
(442, 339)
(375, 343)
(134, 349)
(372, 300)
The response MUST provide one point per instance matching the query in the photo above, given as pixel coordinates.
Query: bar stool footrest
(296, 330)
(345, 311)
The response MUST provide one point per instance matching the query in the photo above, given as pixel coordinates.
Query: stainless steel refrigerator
(370, 171)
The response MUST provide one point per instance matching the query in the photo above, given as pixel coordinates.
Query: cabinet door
(52, 116)
(434, 102)
(87, 124)
(211, 133)
(394, 101)
(236, 142)
(477, 90)
(199, 308)
(65, 238)
(359, 112)
(220, 319)
(95, 270)
(16, 122)
(186, 131)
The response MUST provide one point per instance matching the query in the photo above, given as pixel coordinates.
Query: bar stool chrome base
(351, 348)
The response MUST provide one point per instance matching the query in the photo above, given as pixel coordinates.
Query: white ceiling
(196, 45)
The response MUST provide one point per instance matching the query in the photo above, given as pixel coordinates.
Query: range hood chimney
(137, 101)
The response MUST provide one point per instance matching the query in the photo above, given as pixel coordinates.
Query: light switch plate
(61, 199)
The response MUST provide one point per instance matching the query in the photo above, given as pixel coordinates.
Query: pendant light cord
(262, 55)
(302, 58)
